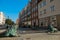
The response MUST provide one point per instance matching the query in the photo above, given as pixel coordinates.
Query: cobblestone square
(35, 36)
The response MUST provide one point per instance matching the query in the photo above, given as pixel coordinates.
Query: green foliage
(9, 22)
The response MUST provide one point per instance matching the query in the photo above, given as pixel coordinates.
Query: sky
(12, 8)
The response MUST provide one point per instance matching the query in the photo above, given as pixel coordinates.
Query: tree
(9, 22)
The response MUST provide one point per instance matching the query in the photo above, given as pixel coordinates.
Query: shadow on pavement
(3, 35)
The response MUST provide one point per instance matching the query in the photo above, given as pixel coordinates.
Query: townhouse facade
(21, 18)
(25, 15)
(17, 22)
(41, 13)
(34, 14)
(30, 14)
(49, 13)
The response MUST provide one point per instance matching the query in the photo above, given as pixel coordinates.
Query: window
(28, 13)
(40, 12)
(53, 17)
(44, 11)
(52, 8)
(36, 7)
(43, 3)
(51, 0)
(32, 10)
(34, 15)
(40, 5)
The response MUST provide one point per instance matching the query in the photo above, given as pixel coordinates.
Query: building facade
(21, 18)
(49, 13)
(17, 22)
(41, 13)
(34, 14)
(2, 18)
(25, 15)
(30, 14)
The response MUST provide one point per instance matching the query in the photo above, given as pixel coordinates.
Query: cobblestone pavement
(35, 36)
